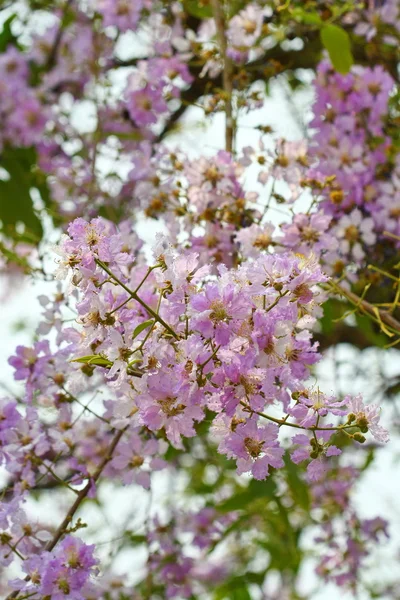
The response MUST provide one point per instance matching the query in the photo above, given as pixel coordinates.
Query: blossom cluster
(171, 343)
(138, 362)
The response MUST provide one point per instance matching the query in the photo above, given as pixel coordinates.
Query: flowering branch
(284, 421)
(134, 295)
(80, 498)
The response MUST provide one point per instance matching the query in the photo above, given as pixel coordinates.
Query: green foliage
(94, 360)
(337, 42)
(236, 588)
(202, 9)
(12, 257)
(198, 8)
(308, 18)
(6, 36)
(371, 331)
(141, 327)
(299, 490)
(16, 206)
(256, 490)
(334, 310)
(134, 538)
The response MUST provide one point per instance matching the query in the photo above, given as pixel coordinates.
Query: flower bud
(362, 422)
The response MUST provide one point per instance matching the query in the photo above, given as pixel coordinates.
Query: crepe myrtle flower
(9, 419)
(215, 311)
(145, 105)
(206, 526)
(366, 417)
(255, 239)
(134, 457)
(318, 449)
(244, 30)
(353, 231)
(123, 14)
(163, 403)
(59, 574)
(309, 233)
(255, 448)
(312, 404)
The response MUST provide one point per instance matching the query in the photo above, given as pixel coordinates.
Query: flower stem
(296, 425)
(134, 295)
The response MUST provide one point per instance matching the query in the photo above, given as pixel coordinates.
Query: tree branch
(366, 307)
(227, 76)
(81, 496)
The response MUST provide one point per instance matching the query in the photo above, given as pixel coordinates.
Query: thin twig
(57, 41)
(384, 316)
(134, 295)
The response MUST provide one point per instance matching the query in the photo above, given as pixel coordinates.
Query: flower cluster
(352, 150)
(198, 358)
(60, 574)
(23, 115)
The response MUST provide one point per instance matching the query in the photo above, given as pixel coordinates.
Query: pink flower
(367, 417)
(255, 448)
(217, 312)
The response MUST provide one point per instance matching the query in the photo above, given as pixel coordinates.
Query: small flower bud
(358, 437)
(362, 423)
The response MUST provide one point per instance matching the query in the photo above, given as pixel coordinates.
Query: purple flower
(61, 573)
(367, 417)
(165, 403)
(312, 404)
(255, 448)
(218, 312)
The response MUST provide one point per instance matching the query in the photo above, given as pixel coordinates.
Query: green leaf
(337, 41)
(141, 327)
(308, 18)
(236, 587)
(134, 538)
(16, 206)
(7, 36)
(298, 488)
(94, 360)
(15, 199)
(255, 491)
(371, 331)
(198, 8)
(334, 310)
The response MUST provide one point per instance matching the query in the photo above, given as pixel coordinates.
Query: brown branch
(227, 75)
(370, 309)
(51, 60)
(81, 496)
(84, 492)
